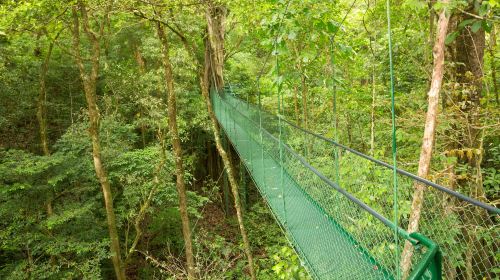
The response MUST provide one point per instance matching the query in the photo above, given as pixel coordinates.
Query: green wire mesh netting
(336, 237)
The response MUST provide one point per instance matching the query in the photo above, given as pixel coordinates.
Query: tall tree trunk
(89, 81)
(41, 113)
(305, 110)
(142, 69)
(469, 54)
(492, 48)
(205, 85)
(213, 66)
(469, 58)
(296, 104)
(374, 97)
(372, 114)
(429, 133)
(177, 149)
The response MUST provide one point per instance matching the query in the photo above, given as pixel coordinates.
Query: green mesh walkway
(334, 234)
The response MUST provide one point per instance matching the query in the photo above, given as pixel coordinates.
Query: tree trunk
(89, 81)
(177, 149)
(296, 105)
(470, 47)
(305, 111)
(213, 66)
(493, 44)
(429, 133)
(204, 84)
(139, 59)
(41, 113)
(469, 54)
(373, 107)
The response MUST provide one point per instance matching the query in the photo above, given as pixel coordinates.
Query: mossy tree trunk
(89, 80)
(177, 150)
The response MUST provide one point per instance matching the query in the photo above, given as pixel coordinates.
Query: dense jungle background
(110, 156)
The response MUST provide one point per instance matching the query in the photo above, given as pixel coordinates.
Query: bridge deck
(328, 250)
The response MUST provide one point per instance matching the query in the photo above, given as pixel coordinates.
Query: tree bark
(492, 48)
(372, 115)
(139, 59)
(305, 110)
(204, 67)
(429, 134)
(177, 149)
(469, 54)
(213, 65)
(373, 107)
(89, 81)
(296, 104)
(205, 84)
(41, 113)
(469, 57)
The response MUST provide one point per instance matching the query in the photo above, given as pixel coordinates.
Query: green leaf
(450, 37)
(476, 26)
(487, 26)
(332, 27)
(466, 22)
(483, 10)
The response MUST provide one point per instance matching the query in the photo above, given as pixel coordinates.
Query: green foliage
(52, 221)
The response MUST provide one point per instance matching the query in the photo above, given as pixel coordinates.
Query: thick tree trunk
(89, 81)
(429, 133)
(469, 57)
(177, 149)
(469, 54)
(213, 66)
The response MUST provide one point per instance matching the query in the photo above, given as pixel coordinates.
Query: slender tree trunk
(296, 104)
(429, 134)
(204, 84)
(305, 110)
(41, 115)
(492, 48)
(214, 44)
(142, 69)
(373, 107)
(89, 81)
(177, 149)
(145, 206)
(41, 112)
(213, 66)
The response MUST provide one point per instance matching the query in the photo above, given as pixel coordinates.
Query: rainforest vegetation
(113, 165)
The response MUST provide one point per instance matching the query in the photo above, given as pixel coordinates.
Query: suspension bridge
(333, 203)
